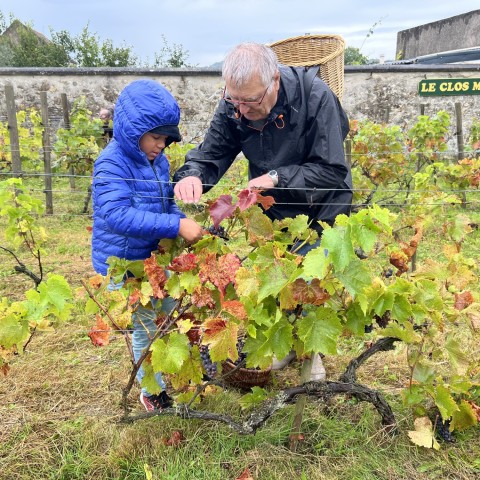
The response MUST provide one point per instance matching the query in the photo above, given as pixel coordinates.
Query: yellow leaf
(423, 434)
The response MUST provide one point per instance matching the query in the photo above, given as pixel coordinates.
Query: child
(133, 206)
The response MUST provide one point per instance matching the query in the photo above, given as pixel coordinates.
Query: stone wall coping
(115, 71)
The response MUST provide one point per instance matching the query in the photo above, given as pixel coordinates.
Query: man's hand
(189, 189)
(190, 230)
(261, 182)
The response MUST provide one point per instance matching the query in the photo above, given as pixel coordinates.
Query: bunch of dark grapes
(442, 429)
(208, 365)
(241, 355)
(218, 232)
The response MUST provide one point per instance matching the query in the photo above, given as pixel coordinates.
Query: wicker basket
(309, 50)
(245, 378)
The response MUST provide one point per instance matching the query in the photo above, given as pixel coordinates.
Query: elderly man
(290, 127)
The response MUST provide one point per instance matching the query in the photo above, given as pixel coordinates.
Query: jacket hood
(142, 106)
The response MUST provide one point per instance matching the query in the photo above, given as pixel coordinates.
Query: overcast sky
(207, 29)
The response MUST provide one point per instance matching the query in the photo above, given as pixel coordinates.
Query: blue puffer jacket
(132, 197)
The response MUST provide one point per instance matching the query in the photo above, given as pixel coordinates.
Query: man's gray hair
(248, 60)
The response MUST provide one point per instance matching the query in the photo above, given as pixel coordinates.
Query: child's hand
(190, 230)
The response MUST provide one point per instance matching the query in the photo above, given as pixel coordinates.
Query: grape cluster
(208, 365)
(241, 354)
(218, 232)
(442, 429)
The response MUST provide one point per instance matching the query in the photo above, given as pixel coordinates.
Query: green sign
(449, 86)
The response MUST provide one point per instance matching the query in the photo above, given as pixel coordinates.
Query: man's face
(152, 144)
(254, 100)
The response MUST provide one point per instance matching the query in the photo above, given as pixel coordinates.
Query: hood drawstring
(282, 122)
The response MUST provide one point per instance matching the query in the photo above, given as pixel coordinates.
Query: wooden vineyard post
(66, 122)
(13, 131)
(46, 154)
(460, 145)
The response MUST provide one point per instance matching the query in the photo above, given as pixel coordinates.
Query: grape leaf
(464, 417)
(445, 402)
(221, 208)
(423, 434)
(276, 276)
(246, 198)
(339, 245)
(183, 263)
(280, 337)
(169, 353)
(99, 333)
(259, 226)
(356, 278)
(315, 264)
(221, 337)
(319, 331)
(156, 276)
(219, 271)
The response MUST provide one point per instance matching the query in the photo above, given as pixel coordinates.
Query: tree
(22, 46)
(353, 56)
(171, 56)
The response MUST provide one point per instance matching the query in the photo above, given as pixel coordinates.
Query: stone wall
(460, 31)
(381, 93)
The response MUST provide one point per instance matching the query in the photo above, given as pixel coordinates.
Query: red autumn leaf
(221, 208)
(463, 300)
(156, 276)
(96, 281)
(265, 201)
(89, 229)
(175, 440)
(246, 198)
(202, 297)
(99, 333)
(134, 297)
(219, 271)
(183, 263)
(476, 409)
(245, 475)
(235, 308)
(311, 293)
(215, 326)
(400, 261)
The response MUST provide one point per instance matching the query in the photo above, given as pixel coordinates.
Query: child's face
(152, 144)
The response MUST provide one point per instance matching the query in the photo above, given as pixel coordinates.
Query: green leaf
(319, 331)
(315, 264)
(280, 336)
(275, 276)
(403, 332)
(339, 245)
(257, 396)
(169, 353)
(401, 309)
(13, 330)
(464, 417)
(457, 355)
(356, 278)
(148, 381)
(423, 373)
(445, 402)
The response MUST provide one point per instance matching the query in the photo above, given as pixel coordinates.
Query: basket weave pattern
(327, 51)
(245, 378)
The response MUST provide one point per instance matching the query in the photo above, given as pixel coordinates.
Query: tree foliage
(353, 56)
(22, 46)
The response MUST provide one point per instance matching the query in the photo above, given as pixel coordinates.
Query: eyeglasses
(250, 103)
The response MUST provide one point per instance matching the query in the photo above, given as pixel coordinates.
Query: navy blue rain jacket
(132, 197)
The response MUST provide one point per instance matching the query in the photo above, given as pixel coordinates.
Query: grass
(60, 408)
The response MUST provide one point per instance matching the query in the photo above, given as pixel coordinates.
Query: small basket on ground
(245, 378)
(327, 51)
